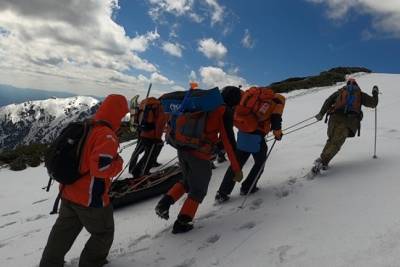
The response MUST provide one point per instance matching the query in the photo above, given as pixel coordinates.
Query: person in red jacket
(150, 121)
(86, 203)
(196, 169)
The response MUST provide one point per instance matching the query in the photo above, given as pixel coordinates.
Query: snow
(347, 216)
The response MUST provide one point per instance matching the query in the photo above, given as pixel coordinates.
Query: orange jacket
(216, 126)
(159, 127)
(100, 159)
(274, 122)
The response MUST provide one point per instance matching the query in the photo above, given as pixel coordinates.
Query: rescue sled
(132, 190)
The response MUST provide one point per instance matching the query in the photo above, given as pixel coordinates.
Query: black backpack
(63, 158)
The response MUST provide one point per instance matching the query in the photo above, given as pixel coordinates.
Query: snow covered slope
(346, 217)
(41, 121)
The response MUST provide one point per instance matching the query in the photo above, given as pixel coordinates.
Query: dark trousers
(196, 175)
(99, 222)
(259, 157)
(152, 149)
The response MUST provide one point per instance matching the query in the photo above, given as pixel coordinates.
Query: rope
(297, 129)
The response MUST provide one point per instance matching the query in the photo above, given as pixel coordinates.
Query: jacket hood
(112, 110)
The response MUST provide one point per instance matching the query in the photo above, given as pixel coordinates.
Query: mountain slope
(346, 217)
(41, 121)
(13, 95)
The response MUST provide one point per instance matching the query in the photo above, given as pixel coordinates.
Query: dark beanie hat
(231, 95)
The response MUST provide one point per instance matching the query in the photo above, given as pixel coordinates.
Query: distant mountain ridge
(15, 95)
(41, 121)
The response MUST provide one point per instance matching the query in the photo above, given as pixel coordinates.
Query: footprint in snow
(209, 241)
(256, 204)
(10, 213)
(247, 226)
(7, 224)
(27, 234)
(39, 201)
(37, 217)
(138, 240)
(187, 263)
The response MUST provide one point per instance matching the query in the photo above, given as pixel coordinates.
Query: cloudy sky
(102, 46)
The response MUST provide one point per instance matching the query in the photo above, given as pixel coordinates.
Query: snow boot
(182, 224)
(213, 167)
(221, 158)
(162, 208)
(318, 166)
(221, 197)
(156, 164)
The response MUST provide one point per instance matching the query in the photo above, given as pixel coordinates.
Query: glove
(278, 134)
(319, 117)
(238, 176)
(375, 91)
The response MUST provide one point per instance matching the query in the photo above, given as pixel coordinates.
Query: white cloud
(175, 7)
(247, 40)
(141, 42)
(61, 45)
(213, 76)
(386, 14)
(160, 79)
(217, 11)
(172, 49)
(211, 49)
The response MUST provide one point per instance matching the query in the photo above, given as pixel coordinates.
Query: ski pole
(257, 177)
(148, 159)
(376, 129)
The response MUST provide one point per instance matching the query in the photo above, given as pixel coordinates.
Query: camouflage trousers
(99, 222)
(337, 134)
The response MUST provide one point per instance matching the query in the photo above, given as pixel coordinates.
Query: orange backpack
(149, 110)
(256, 105)
(349, 100)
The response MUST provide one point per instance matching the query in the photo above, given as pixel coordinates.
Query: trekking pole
(376, 130)
(257, 177)
(148, 159)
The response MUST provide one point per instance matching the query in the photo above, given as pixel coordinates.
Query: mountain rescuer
(344, 110)
(194, 130)
(260, 111)
(86, 203)
(150, 121)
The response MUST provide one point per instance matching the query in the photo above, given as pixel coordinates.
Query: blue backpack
(188, 112)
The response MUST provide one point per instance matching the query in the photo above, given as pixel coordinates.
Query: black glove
(375, 91)
(319, 116)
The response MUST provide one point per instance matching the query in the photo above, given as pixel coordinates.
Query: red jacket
(100, 157)
(215, 132)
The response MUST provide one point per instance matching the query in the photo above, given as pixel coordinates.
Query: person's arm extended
(329, 102)
(369, 101)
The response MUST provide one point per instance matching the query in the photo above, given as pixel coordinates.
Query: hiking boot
(318, 166)
(221, 197)
(243, 191)
(156, 164)
(213, 167)
(182, 224)
(162, 208)
(221, 158)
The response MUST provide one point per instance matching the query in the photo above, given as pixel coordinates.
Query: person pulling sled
(260, 111)
(343, 109)
(150, 120)
(197, 117)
